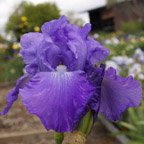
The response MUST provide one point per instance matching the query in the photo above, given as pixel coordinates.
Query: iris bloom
(63, 79)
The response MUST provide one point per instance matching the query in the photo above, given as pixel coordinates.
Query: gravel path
(19, 121)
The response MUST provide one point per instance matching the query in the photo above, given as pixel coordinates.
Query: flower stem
(91, 122)
(59, 138)
(86, 123)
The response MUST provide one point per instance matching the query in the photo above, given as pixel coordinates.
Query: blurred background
(117, 24)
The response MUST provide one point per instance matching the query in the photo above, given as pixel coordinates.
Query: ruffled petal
(85, 30)
(74, 44)
(58, 99)
(96, 52)
(30, 43)
(48, 56)
(49, 28)
(13, 94)
(69, 39)
(61, 43)
(118, 94)
(79, 49)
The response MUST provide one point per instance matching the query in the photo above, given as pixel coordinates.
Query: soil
(18, 121)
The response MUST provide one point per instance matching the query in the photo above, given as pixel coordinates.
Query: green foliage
(10, 70)
(2, 39)
(29, 17)
(121, 49)
(86, 123)
(134, 125)
(140, 44)
(59, 137)
(131, 26)
(127, 43)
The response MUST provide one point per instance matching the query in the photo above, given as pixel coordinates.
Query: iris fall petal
(58, 99)
(118, 94)
(13, 94)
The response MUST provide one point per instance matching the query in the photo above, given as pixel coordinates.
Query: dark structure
(102, 19)
(110, 19)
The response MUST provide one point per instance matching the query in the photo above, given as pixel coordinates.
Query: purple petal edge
(13, 94)
(118, 94)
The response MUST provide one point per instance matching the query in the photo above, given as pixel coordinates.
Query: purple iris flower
(63, 81)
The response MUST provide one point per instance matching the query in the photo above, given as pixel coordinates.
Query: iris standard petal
(85, 30)
(58, 99)
(13, 94)
(96, 52)
(118, 94)
(30, 43)
(48, 56)
(69, 39)
(49, 28)
(73, 47)
(79, 49)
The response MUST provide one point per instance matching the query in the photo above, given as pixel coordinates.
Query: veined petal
(118, 94)
(58, 99)
(13, 94)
